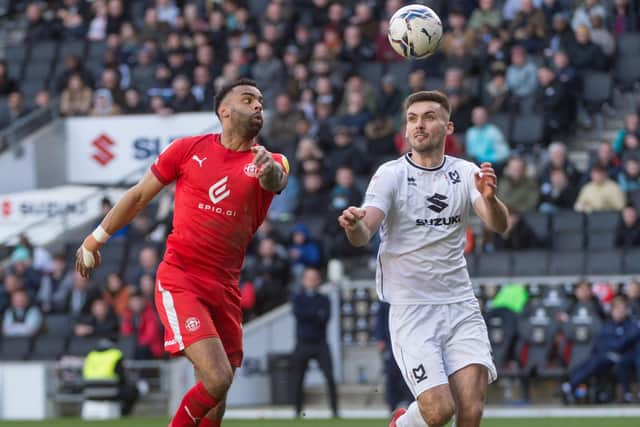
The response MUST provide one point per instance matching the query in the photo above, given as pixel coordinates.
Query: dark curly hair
(224, 91)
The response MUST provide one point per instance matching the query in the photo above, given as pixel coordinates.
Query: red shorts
(189, 316)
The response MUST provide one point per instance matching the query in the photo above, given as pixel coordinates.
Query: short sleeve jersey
(423, 234)
(219, 204)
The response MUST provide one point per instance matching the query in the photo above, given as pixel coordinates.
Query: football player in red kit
(224, 186)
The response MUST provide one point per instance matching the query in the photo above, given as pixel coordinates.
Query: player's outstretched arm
(360, 223)
(131, 203)
(488, 207)
(271, 175)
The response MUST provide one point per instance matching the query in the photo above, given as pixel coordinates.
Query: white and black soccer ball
(415, 31)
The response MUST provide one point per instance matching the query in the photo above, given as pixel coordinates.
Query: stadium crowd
(333, 90)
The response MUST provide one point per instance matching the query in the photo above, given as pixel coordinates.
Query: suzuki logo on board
(103, 144)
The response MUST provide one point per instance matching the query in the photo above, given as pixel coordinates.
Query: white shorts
(431, 342)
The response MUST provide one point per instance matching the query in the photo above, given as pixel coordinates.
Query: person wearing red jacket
(140, 318)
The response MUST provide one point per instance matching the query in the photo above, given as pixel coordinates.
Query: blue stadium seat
(530, 263)
(496, 264)
(15, 348)
(48, 347)
(566, 263)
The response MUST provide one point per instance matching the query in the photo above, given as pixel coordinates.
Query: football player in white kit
(421, 203)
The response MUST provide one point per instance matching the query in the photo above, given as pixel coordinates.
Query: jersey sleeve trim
(156, 172)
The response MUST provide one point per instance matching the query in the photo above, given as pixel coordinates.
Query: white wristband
(100, 235)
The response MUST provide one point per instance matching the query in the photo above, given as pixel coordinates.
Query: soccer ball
(415, 31)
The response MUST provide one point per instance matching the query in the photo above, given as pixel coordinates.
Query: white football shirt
(423, 234)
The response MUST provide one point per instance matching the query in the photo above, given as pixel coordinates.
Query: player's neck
(235, 142)
(427, 160)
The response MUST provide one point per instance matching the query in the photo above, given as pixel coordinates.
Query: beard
(433, 144)
(247, 125)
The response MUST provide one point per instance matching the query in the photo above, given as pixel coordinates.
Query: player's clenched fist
(88, 254)
(263, 160)
(350, 217)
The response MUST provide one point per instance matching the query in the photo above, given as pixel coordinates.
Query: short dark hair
(428, 95)
(224, 91)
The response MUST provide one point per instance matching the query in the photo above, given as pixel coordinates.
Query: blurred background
(546, 90)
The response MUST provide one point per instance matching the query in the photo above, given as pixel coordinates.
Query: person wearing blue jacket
(303, 250)
(396, 391)
(312, 311)
(617, 337)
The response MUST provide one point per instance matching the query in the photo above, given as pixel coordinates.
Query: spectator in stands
(460, 97)
(485, 15)
(7, 84)
(628, 228)
(202, 87)
(10, 285)
(601, 36)
(147, 264)
(77, 299)
(100, 322)
(72, 23)
(583, 297)
(22, 266)
(396, 392)
(631, 127)
(354, 49)
(521, 74)
(76, 97)
(517, 190)
(629, 177)
(116, 16)
(98, 25)
(390, 97)
(21, 318)
(345, 153)
(312, 311)
(457, 38)
(314, 197)
(37, 28)
(182, 100)
(41, 260)
(582, 14)
(54, 284)
(518, 236)
(566, 74)
(304, 250)
(557, 192)
(112, 78)
(496, 96)
(562, 36)
(625, 18)
(601, 194)
(384, 50)
(133, 102)
(586, 55)
(551, 101)
(356, 115)
(606, 158)
(143, 74)
(42, 100)
(147, 286)
(140, 319)
(268, 72)
(356, 84)
(632, 291)
(280, 133)
(271, 277)
(485, 141)
(557, 159)
(103, 104)
(529, 27)
(116, 294)
(379, 135)
(16, 109)
(617, 336)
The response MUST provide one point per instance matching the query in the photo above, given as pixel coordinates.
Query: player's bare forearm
(274, 179)
(358, 235)
(496, 215)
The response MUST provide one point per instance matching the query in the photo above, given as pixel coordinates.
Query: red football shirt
(219, 204)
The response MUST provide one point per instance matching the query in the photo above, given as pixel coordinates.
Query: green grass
(503, 422)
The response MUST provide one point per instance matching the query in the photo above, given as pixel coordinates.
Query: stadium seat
(568, 240)
(58, 325)
(503, 122)
(632, 261)
(370, 71)
(80, 346)
(566, 263)
(601, 240)
(15, 348)
(471, 264)
(539, 223)
(496, 264)
(48, 347)
(597, 89)
(434, 83)
(554, 300)
(43, 51)
(628, 45)
(72, 47)
(627, 73)
(530, 263)
(37, 72)
(96, 50)
(502, 330)
(400, 71)
(602, 221)
(536, 330)
(580, 331)
(128, 345)
(527, 129)
(604, 262)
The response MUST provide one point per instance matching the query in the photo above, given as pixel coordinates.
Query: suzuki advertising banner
(109, 150)
(45, 214)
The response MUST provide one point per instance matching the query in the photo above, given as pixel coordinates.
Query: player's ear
(224, 110)
(450, 128)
